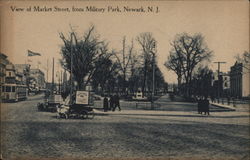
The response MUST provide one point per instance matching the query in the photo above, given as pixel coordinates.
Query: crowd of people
(112, 103)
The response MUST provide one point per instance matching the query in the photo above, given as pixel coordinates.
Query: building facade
(239, 81)
(37, 79)
(225, 78)
(23, 73)
(10, 74)
(3, 62)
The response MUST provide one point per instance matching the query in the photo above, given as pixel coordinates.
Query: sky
(224, 24)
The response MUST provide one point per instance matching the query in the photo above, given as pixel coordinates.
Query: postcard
(133, 79)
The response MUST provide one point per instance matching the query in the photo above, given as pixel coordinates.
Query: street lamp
(153, 74)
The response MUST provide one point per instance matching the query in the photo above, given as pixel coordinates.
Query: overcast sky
(225, 26)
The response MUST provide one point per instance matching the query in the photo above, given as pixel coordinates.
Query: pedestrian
(105, 104)
(116, 102)
(111, 102)
(199, 105)
(206, 106)
(212, 98)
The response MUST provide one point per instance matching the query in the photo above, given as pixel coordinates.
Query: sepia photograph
(124, 80)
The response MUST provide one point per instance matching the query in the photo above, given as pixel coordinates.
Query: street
(177, 131)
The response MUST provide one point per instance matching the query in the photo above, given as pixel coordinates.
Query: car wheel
(91, 115)
(84, 115)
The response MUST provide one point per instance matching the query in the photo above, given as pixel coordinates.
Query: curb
(223, 106)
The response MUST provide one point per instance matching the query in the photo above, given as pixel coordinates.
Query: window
(13, 89)
(9, 74)
(8, 89)
(3, 89)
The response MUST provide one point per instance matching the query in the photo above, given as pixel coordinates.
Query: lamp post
(153, 75)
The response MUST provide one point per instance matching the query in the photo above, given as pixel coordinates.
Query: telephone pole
(218, 86)
(52, 87)
(71, 67)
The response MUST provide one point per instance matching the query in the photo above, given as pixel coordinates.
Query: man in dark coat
(206, 106)
(105, 104)
(111, 102)
(116, 102)
(199, 105)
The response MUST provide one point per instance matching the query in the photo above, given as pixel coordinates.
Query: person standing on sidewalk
(117, 102)
(206, 106)
(199, 105)
(111, 102)
(105, 104)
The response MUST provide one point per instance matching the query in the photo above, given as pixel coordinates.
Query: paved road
(179, 133)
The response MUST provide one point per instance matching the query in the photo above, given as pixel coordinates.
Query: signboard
(82, 97)
(58, 98)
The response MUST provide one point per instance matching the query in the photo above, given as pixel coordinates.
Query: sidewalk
(231, 108)
(144, 112)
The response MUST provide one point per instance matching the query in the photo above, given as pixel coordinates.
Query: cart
(81, 108)
(75, 111)
(51, 103)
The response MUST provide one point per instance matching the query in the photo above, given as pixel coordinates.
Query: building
(221, 84)
(3, 62)
(239, 81)
(23, 72)
(10, 74)
(37, 79)
(225, 78)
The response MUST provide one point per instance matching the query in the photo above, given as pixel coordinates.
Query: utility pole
(71, 67)
(52, 87)
(61, 82)
(153, 82)
(218, 87)
(47, 71)
(123, 65)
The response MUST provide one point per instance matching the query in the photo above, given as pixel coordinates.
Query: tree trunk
(144, 81)
(179, 77)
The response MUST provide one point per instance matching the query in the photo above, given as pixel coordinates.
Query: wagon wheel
(84, 115)
(38, 106)
(66, 116)
(91, 115)
(58, 116)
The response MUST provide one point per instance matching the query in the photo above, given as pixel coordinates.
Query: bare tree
(104, 72)
(147, 43)
(244, 59)
(85, 52)
(187, 52)
(133, 79)
(124, 60)
(202, 82)
(174, 64)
